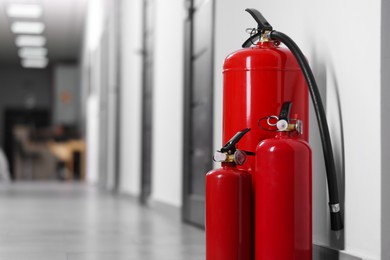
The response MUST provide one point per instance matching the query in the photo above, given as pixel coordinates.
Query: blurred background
(40, 88)
(126, 96)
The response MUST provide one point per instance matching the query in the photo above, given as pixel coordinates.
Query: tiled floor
(57, 221)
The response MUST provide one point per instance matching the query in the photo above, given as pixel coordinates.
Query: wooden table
(64, 151)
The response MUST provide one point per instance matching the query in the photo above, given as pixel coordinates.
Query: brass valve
(284, 126)
(238, 157)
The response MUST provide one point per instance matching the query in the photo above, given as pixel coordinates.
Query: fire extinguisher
(228, 205)
(259, 80)
(265, 33)
(283, 224)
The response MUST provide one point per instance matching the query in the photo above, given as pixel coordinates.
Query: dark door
(198, 130)
(34, 119)
(147, 116)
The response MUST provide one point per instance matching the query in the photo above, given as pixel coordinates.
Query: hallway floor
(65, 221)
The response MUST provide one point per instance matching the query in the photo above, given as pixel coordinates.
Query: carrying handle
(262, 26)
(262, 23)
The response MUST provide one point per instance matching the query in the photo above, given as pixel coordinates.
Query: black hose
(334, 203)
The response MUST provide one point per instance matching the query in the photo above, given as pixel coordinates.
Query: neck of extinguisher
(334, 202)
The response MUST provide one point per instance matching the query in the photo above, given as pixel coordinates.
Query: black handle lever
(262, 26)
(230, 146)
(285, 111)
(262, 23)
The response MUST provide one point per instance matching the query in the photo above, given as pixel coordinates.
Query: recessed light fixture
(28, 27)
(30, 40)
(35, 63)
(32, 52)
(24, 10)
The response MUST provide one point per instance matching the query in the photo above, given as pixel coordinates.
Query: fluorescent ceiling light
(35, 63)
(30, 52)
(28, 27)
(24, 10)
(30, 40)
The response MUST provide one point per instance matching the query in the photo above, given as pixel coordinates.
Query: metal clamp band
(334, 208)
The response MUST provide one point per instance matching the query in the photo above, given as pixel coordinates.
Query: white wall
(112, 93)
(167, 100)
(131, 93)
(100, 22)
(168, 103)
(327, 32)
(90, 65)
(99, 81)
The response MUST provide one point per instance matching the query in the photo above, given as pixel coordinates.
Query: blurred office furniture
(32, 159)
(72, 154)
(69, 150)
(48, 153)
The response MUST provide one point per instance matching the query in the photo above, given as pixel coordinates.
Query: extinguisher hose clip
(335, 216)
(336, 219)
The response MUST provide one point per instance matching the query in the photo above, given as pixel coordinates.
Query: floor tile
(65, 221)
(33, 256)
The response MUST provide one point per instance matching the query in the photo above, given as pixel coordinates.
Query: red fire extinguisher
(260, 80)
(265, 33)
(228, 205)
(257, 81)
(283, 224)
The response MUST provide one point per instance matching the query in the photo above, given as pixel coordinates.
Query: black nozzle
(336, 221)
(230, 146)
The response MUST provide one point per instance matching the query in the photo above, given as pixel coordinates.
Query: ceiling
(64, 20)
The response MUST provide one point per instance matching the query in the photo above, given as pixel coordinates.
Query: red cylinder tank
(257, 81)
(283, 221)
(228, 214)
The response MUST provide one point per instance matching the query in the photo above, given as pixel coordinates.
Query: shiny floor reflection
(56, 221)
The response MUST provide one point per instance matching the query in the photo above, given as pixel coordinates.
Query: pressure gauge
(239, 157)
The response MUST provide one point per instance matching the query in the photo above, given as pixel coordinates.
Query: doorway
(198, 107)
